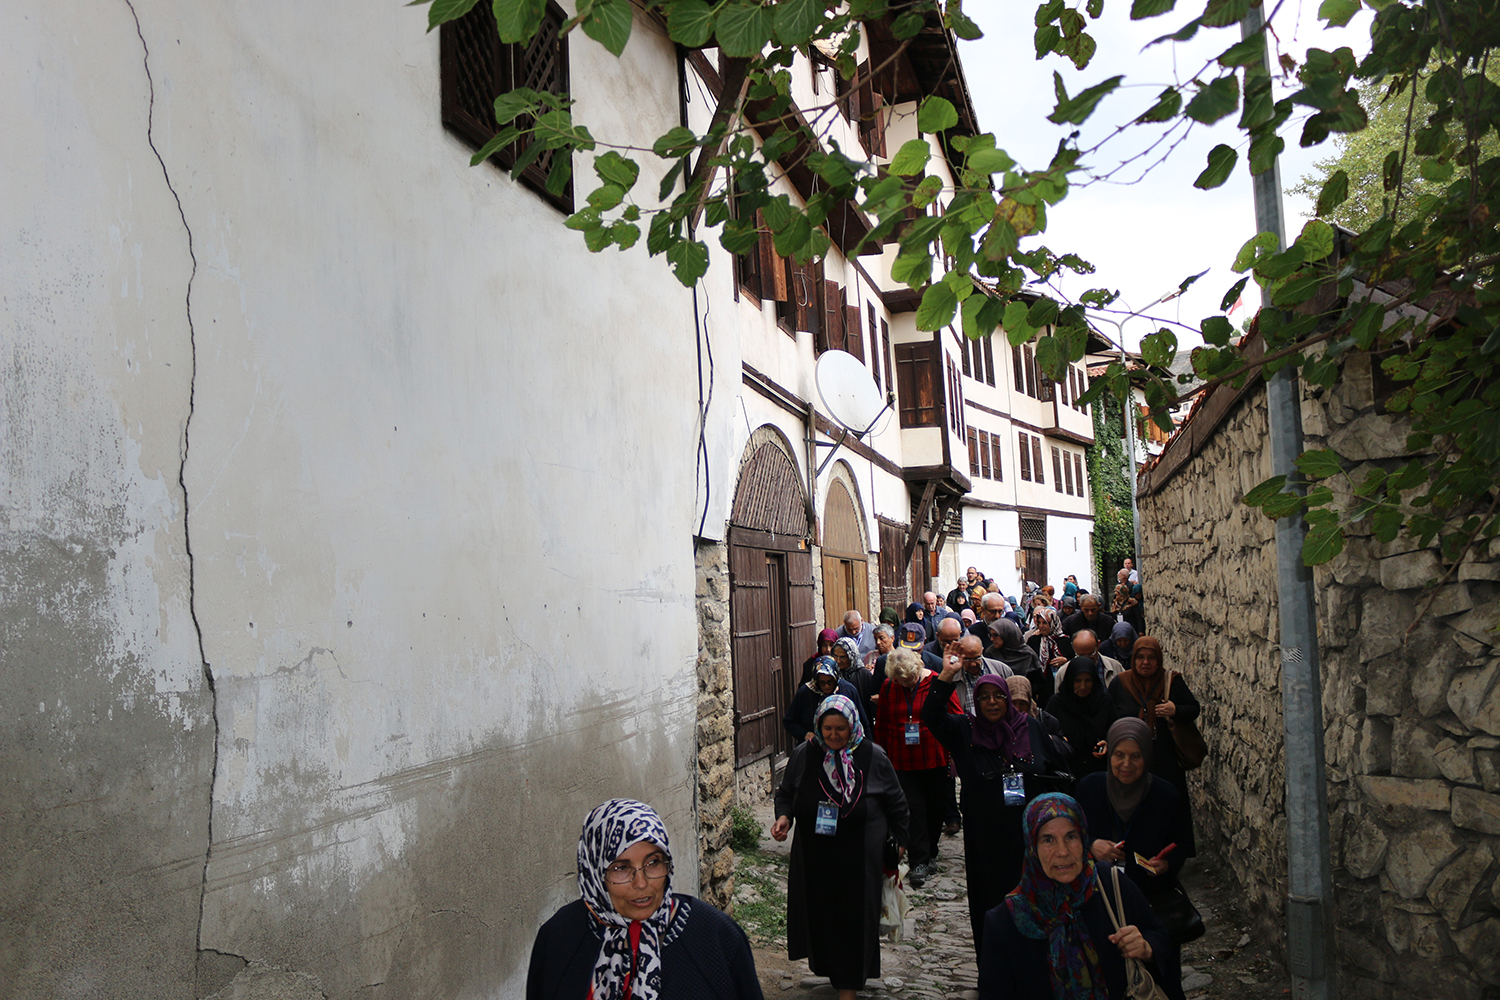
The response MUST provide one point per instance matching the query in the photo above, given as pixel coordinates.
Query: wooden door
(757, 651)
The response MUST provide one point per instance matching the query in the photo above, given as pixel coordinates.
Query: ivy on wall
(1114, 531)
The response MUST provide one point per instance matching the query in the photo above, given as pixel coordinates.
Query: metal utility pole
(1309, 902)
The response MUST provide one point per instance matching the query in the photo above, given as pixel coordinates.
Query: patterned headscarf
(610, 830)
(851, 647)
(1049, 650)
(1126, 799)
(839, 764)
(1047, 910)
(823, 666)
(1010, 734)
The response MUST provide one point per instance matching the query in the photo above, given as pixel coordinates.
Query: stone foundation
(1411, 714)
(716, 778)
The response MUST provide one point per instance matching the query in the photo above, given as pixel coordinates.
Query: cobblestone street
(935, 958)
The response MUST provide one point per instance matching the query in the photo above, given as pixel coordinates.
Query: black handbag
(1176, 911)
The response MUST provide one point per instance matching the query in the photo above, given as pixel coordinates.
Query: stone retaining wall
(1412, 720)
(715, 727)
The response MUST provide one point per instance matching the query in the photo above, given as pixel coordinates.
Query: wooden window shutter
(772, 265)
(807, 283)
(874, 342)
(1025, 456)
(917, 380)
(476, 67)
(1036, 459)
(974, 451)
(984, 454)
(1078, 472)
(1067, 464)
(989, 360)
(1030, 372)
(1015, 355)
(890, 359)
(995, 455)
(833, 316)
(854, 336)
(1057, 472)
(963, 349)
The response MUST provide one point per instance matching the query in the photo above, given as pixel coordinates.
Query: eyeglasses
(622, 874)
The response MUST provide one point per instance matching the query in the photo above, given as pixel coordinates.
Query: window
(1064, 386)
(1078, 472)
(1057, 473)
(973, 452)
(890, 361)
(986, 349)
(854, 336)
(956, 399)
(1025, 456)
(1036, 459)
(1015, 356)
(1067, 464)
(1030, 372)
(995, 455)
(918, 375)
(875, 354)
(477, 67)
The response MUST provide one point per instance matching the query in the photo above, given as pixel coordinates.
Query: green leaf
(689, 259)
(1221, 161)
(1217, 100)
(1337, 13)
(690, 23)
(1264, 149)
(608, 23)
(499, 141)
(1249, 52)
(936, 114)
(743, 30)
(1217, 330)
(1231, 297)
(1096, 8)
(1334, 193)
(625, 234)
(1043, 312)
(613, 168)
(1324, 540)
(1017, 330)
(797, 20)
(557, 176)
(911, 158)
(597, 238)
(1319, 463)
(1282, 505)
(677, 141)
(443, 11)
(511, 105)
(1222, 13)
(606, 197)
(1049, 356)
(1262, 493)
(1386, 523)
(1142, 9)
(1168, 104)
(1257, 246)
(1316, 240)
(1391, 170)
(1159, 348)
(989, 161)
(527, 158)
(1075, 110)
(518, 20)
(961, 24)
(912, 269)
(670, 181)
(793, 237)
(937, 308)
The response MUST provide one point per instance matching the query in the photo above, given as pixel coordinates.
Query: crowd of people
(1043, 729)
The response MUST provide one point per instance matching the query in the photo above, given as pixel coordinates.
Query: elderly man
(1091, 615)
(949, 631)
(856, 629)
(991, 609)
(1134, 577)
(885, 641)
(930, 614)
(970, 653)
(1085, 643)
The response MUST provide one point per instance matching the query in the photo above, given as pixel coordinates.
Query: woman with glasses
(841, 791)
(630, 935)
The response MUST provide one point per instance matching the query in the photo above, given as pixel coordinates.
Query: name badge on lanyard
(827, 822)
(1015, 789)
(913, 734)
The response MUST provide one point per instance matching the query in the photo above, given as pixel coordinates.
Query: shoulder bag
(1191, 748)
(1138, 982)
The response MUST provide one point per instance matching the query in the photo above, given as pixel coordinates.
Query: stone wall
(1411, 713)
(716, 784)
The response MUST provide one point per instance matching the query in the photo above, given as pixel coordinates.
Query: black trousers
(927, 798)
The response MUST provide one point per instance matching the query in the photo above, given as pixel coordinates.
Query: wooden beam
(918, 521)
(941, 519)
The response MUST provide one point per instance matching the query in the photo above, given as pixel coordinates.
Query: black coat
(1156, 823)
(1100, 626)
(1015, 967)
(1084, 725)
(1164, 763)
(800, 714)
(710, 958)
(993, 843)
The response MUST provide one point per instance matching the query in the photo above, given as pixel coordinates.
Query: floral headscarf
(851, 647)
(839, 764)
(823, 666)
(1010, 734)
(1049, 649)
(1047, 910)
(612, 828)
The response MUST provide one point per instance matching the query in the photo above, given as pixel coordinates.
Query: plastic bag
(893, 903)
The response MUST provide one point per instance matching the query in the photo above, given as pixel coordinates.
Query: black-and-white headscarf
(610, 830)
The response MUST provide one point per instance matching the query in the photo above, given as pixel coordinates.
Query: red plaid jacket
(897, 707)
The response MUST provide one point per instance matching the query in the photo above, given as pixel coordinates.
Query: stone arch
(846, 567)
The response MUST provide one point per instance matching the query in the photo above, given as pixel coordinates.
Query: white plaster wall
(439, 467)
(1069, 551)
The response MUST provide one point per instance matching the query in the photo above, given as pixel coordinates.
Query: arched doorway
(846, 565)
(771, 619)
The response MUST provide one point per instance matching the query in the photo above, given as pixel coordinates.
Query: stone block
(1387, 684)
(1365, 955)
(1415, 934)
(1410, 570)
(1480, 944)
(1431, 676)
(1405, 793)
(1374, 746)
(1417, 855)
(1373, 436)
(1476, 810)
(1413, 746)
(1365, 846)
(1479, 624)
(1487, 769)
(1385, 616)
(1451, 599)
(1479, 571)
(1354, 567)
(1456, 762)
(1461, 891)
(1469, 696)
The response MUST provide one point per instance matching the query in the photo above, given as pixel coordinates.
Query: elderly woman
(798, 720)
(1133, 814)
(826, 639)
(1008, 646)
(999, 752)
(921, 762)
(630, 935)
(1051, 647)
(1084, 711)
(1120, 642)
(1147, 692)
(1053, 936)
(842, 794)
(852, 670)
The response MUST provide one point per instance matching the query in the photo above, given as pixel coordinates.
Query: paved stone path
(935, 959)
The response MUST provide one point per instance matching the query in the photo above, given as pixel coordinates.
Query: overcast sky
(1144, 234)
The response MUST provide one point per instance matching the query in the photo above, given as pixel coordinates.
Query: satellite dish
(848, 392)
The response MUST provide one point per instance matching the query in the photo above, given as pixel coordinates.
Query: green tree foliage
(1109, 484)
(1437, 237)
